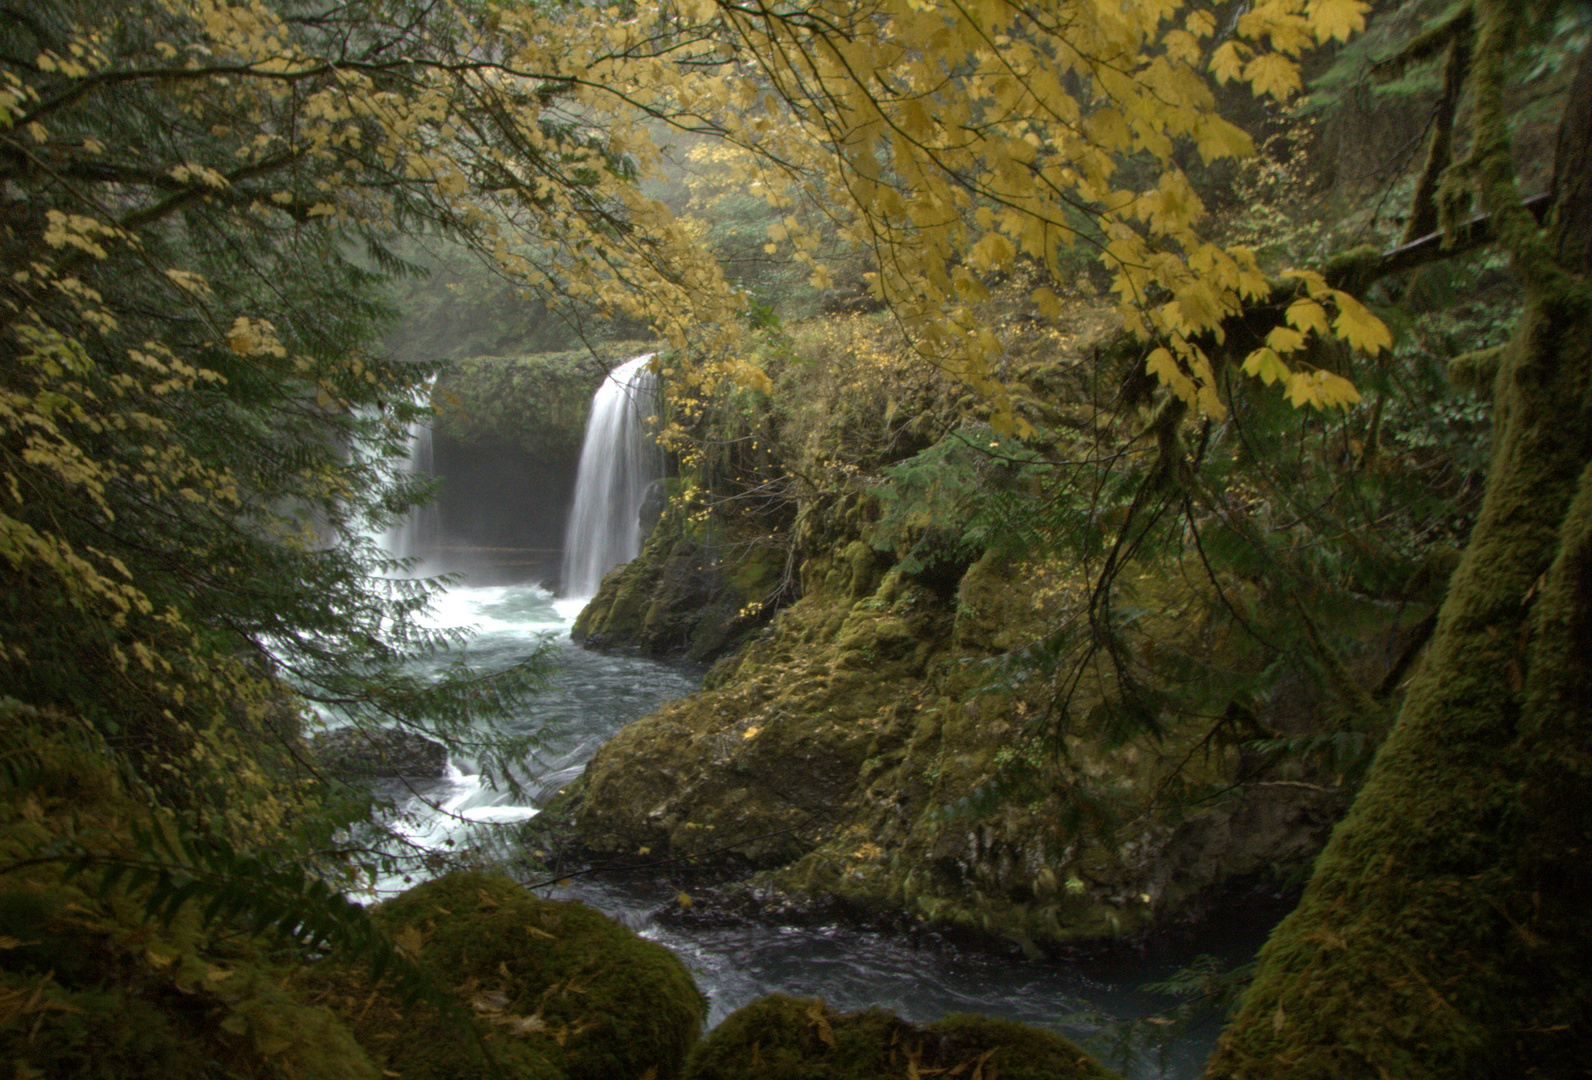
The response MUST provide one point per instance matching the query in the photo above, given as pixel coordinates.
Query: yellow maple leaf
(1182, 45)
(1285, 340)
(1334, 390)
(1302, 390)
(1337, 18)
(1217, 138)
(1163, 367)
(1356, 325)
(1227, 62)
(993, 252)
(1307, 316)
(1267, 365)
(1200, 23)
(1274, 74)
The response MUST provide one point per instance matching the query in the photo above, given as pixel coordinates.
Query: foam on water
(590, 697)
(517, 610)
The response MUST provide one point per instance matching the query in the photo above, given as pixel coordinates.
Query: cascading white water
(419, 535)
(618, 461)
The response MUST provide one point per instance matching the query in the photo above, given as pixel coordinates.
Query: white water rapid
(618, 462)
(594, 694)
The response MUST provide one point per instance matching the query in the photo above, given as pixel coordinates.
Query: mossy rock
(558, 990)
(537, 404)
(788, 1038)
(687, 593)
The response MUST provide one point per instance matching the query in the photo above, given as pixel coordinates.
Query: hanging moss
(535, 403)
(788, 1038)
(558, 990)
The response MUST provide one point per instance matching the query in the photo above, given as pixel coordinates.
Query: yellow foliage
(937, 176)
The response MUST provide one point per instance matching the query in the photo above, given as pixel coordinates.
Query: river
(590, 697)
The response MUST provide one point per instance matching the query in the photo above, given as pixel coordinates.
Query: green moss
(536, 403)
(558, 989)
(692, 591)
(785, 1038)
(845, 745)
(1444, 931)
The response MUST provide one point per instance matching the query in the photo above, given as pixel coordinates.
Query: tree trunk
(1445, 930)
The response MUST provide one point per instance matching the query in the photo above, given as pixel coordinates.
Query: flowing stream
(592, 696)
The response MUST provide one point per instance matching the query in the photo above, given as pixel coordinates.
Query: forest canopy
(202, 205)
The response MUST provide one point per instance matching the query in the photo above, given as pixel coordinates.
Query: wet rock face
(684, 595)
(508, 433)
(359, 754)
(537, 404)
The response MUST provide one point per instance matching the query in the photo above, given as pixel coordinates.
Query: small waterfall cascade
(419, 534)
(618, 462)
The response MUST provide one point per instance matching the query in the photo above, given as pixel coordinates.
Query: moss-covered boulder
(917, 737)
(847, 754)
(692, 591)
(786, 1038)
(557, 990)
(839, 756)
(146, 959)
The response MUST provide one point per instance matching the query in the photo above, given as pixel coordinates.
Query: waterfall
(618, 461)
(419, 535)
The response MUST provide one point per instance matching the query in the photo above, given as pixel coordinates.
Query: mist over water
(619, 460)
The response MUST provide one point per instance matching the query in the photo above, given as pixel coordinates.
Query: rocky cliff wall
(853, 753)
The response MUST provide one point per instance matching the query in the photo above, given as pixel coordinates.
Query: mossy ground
(786, 1038)
(557, 990)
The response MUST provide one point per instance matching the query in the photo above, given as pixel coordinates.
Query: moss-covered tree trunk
(1446, 929)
